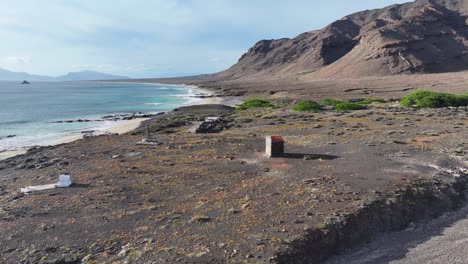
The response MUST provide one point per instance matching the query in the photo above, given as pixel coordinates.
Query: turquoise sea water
(28, 111)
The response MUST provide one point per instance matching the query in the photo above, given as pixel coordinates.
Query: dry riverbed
(215, 198)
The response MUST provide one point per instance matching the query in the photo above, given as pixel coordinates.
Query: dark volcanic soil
(215, 198)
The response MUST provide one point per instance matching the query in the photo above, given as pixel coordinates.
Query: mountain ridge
(6, 75)
(90, 76)
(424, 36)
(86, 75)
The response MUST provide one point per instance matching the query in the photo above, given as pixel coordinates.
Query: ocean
(33, 114)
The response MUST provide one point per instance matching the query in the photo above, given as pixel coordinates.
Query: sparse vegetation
(429, 99)
(340, 105)
(347, 106)
(255, 103)
(306, 106)
(370, 101)
(331, 101)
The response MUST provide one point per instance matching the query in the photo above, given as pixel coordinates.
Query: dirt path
(444, 240)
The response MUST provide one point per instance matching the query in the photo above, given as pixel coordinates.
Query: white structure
(212, 118)
(64, 182)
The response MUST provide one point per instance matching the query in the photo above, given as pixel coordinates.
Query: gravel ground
(215, 198)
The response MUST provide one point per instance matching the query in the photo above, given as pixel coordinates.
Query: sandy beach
(213, 98)
(9, 154)
(120, 127)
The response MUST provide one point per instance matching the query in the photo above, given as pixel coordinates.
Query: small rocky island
(25, 82)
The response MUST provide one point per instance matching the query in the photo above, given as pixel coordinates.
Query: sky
(153, 38)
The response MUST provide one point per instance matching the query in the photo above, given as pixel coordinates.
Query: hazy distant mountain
(90, 76)
(6, 75)
(20, 76)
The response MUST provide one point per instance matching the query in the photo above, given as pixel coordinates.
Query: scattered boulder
(9, 136)
(212, 125)
(200, 219)
(40, 163)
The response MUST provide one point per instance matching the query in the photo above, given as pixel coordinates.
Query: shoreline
(126, 126)
(225, 100)
(121, 127)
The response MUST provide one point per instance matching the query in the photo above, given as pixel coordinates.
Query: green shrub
(429, 99)
(345, 106)
(306, 105)
(331, 101)
(254, 103)
(370, 101)
(413, 98)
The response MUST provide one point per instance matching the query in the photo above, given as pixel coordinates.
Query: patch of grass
(306, 106)
(329, 101)
(370, 101)
(255, 103)
(347, 106)
(429, 99)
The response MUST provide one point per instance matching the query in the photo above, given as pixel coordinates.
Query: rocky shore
(9, 136)
(214, 197)
(119, 117)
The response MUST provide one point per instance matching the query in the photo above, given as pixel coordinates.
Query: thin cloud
(149, 38)
(17, 59)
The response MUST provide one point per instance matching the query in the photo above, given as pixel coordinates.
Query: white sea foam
(72, 103)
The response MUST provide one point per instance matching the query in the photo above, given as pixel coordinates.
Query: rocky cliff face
(425, 36)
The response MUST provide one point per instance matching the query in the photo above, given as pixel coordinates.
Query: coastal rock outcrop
(118, 117)
(210, 126)
(9, 136)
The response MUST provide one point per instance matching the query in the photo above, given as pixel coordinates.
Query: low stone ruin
(148, 139)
